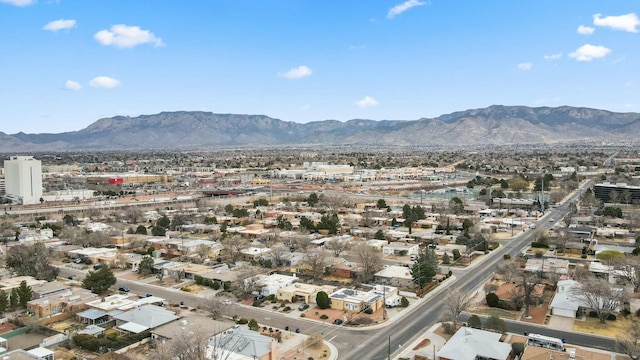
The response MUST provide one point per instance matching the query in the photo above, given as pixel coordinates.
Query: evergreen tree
(4, 301)
(425, 267)
(13, 299)
(24, 294)
(99, 281)
(323, 301)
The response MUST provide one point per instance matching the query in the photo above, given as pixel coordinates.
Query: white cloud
(366, 102)
(297, 73)
(18, 2)
(72, 85)
(627, 22)
(525, 66)
(553, 56)
(124, 36)
(104, 82)
(588, 52)
(400, 8)
(585, 30)
(59, 25)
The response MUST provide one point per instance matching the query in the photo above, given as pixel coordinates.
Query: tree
(260, 202)
(278, 254)
(404, 302)
(475, 322)
(496, 324)
(253, 325)
(133, 215)
(337, 246)
(446, 260)
(313, 199)
(215, 307)
(307, 224)
(424, 268)
(283, 223)
(492, 299)
(323, 301)
(158, 230)
(379, 235)
(331, 223)
(370, 261)
(234, 245)
(456, 254)
(600, 296)
(610, 257)
(455, 303)
(31, 260)
(24, 294)
(381, 204)
(141, 230)
(629, 339)
(163, 222)
(527, 284)
(4, 301)
(456, 205)
(99, 281)
(193, 345)
(203, 251)
(411, 215)
(316, 259)
(146, 265)
(14, 299)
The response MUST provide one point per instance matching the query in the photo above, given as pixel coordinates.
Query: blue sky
(65, 64)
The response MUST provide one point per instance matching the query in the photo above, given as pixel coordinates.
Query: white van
(414, 257)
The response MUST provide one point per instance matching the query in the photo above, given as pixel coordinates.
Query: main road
(378, 342)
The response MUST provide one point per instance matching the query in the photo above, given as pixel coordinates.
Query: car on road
(303, 307)
(123, 289)
(226, 302)
(551, 220)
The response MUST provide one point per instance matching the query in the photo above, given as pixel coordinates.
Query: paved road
(373, 343)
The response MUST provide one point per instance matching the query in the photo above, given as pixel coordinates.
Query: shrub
(492, 299)
(368, 310)
(517, 348)
(324, 316)
(271, 298)
(404, 302)
(253, 325)
(501, 305)
(506, 257)
(302, 315)
(256, 303)
(638, 313)
(199, 280)
(242, 321)
(215, 285)
(612, 317)
(448, 328)
(593, 314)
(286, 308)
(475, 322)
(323, 301)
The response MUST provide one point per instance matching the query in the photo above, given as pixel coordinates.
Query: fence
(132, 346)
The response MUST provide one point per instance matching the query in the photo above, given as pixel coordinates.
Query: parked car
(258, 298)
(97, 266)
(123, 289)
(77, 260)
(303, 307)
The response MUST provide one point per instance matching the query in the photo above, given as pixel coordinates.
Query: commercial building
(23, 179)
(620, 193)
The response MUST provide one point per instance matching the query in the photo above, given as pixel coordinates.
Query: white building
(23, 179)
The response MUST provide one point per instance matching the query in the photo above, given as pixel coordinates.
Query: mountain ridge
(496, 124)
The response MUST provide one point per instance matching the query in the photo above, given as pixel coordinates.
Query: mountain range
(494, 125)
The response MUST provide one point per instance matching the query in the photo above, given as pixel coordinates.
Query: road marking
(334, 336)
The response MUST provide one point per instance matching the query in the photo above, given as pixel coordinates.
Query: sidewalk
(425, 345)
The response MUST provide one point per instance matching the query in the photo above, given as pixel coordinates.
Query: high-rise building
(23, 179)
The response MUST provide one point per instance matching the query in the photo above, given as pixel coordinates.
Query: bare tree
(337, 246)
(600, 296)
(248, 282)
(301, 241)
(234, 245)
(331, 203)
(629, 339)
(316, 259)
(189, 343)
(278, 254)
(215, 307)
(203, 251)
(526, 284)
(630, 269)
(455, 303)
(370, 261)
(133, 215)
(508, 270)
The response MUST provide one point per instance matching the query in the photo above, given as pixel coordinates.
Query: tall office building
(23, 179)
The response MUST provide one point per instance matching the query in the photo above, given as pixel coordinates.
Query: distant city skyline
(68, 63)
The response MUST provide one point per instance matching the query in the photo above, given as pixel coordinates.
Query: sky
(65, 64)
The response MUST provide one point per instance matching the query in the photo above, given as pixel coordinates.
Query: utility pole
(389, 349)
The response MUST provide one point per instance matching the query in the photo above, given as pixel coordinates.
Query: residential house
(548, 266)
(512, 294)
(394, 275)
(253, 253)
(106, 256)
(144, 318)
(239, 343)
(177, 330)
(9, 283)
(565, 303)
(358, 300)
(399, 248)
(305, 293)
(472, 344)
(269, 285)
(60, 304)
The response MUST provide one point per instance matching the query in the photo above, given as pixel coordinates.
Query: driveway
(561, 323)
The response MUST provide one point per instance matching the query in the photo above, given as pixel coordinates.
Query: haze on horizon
(68, 63)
